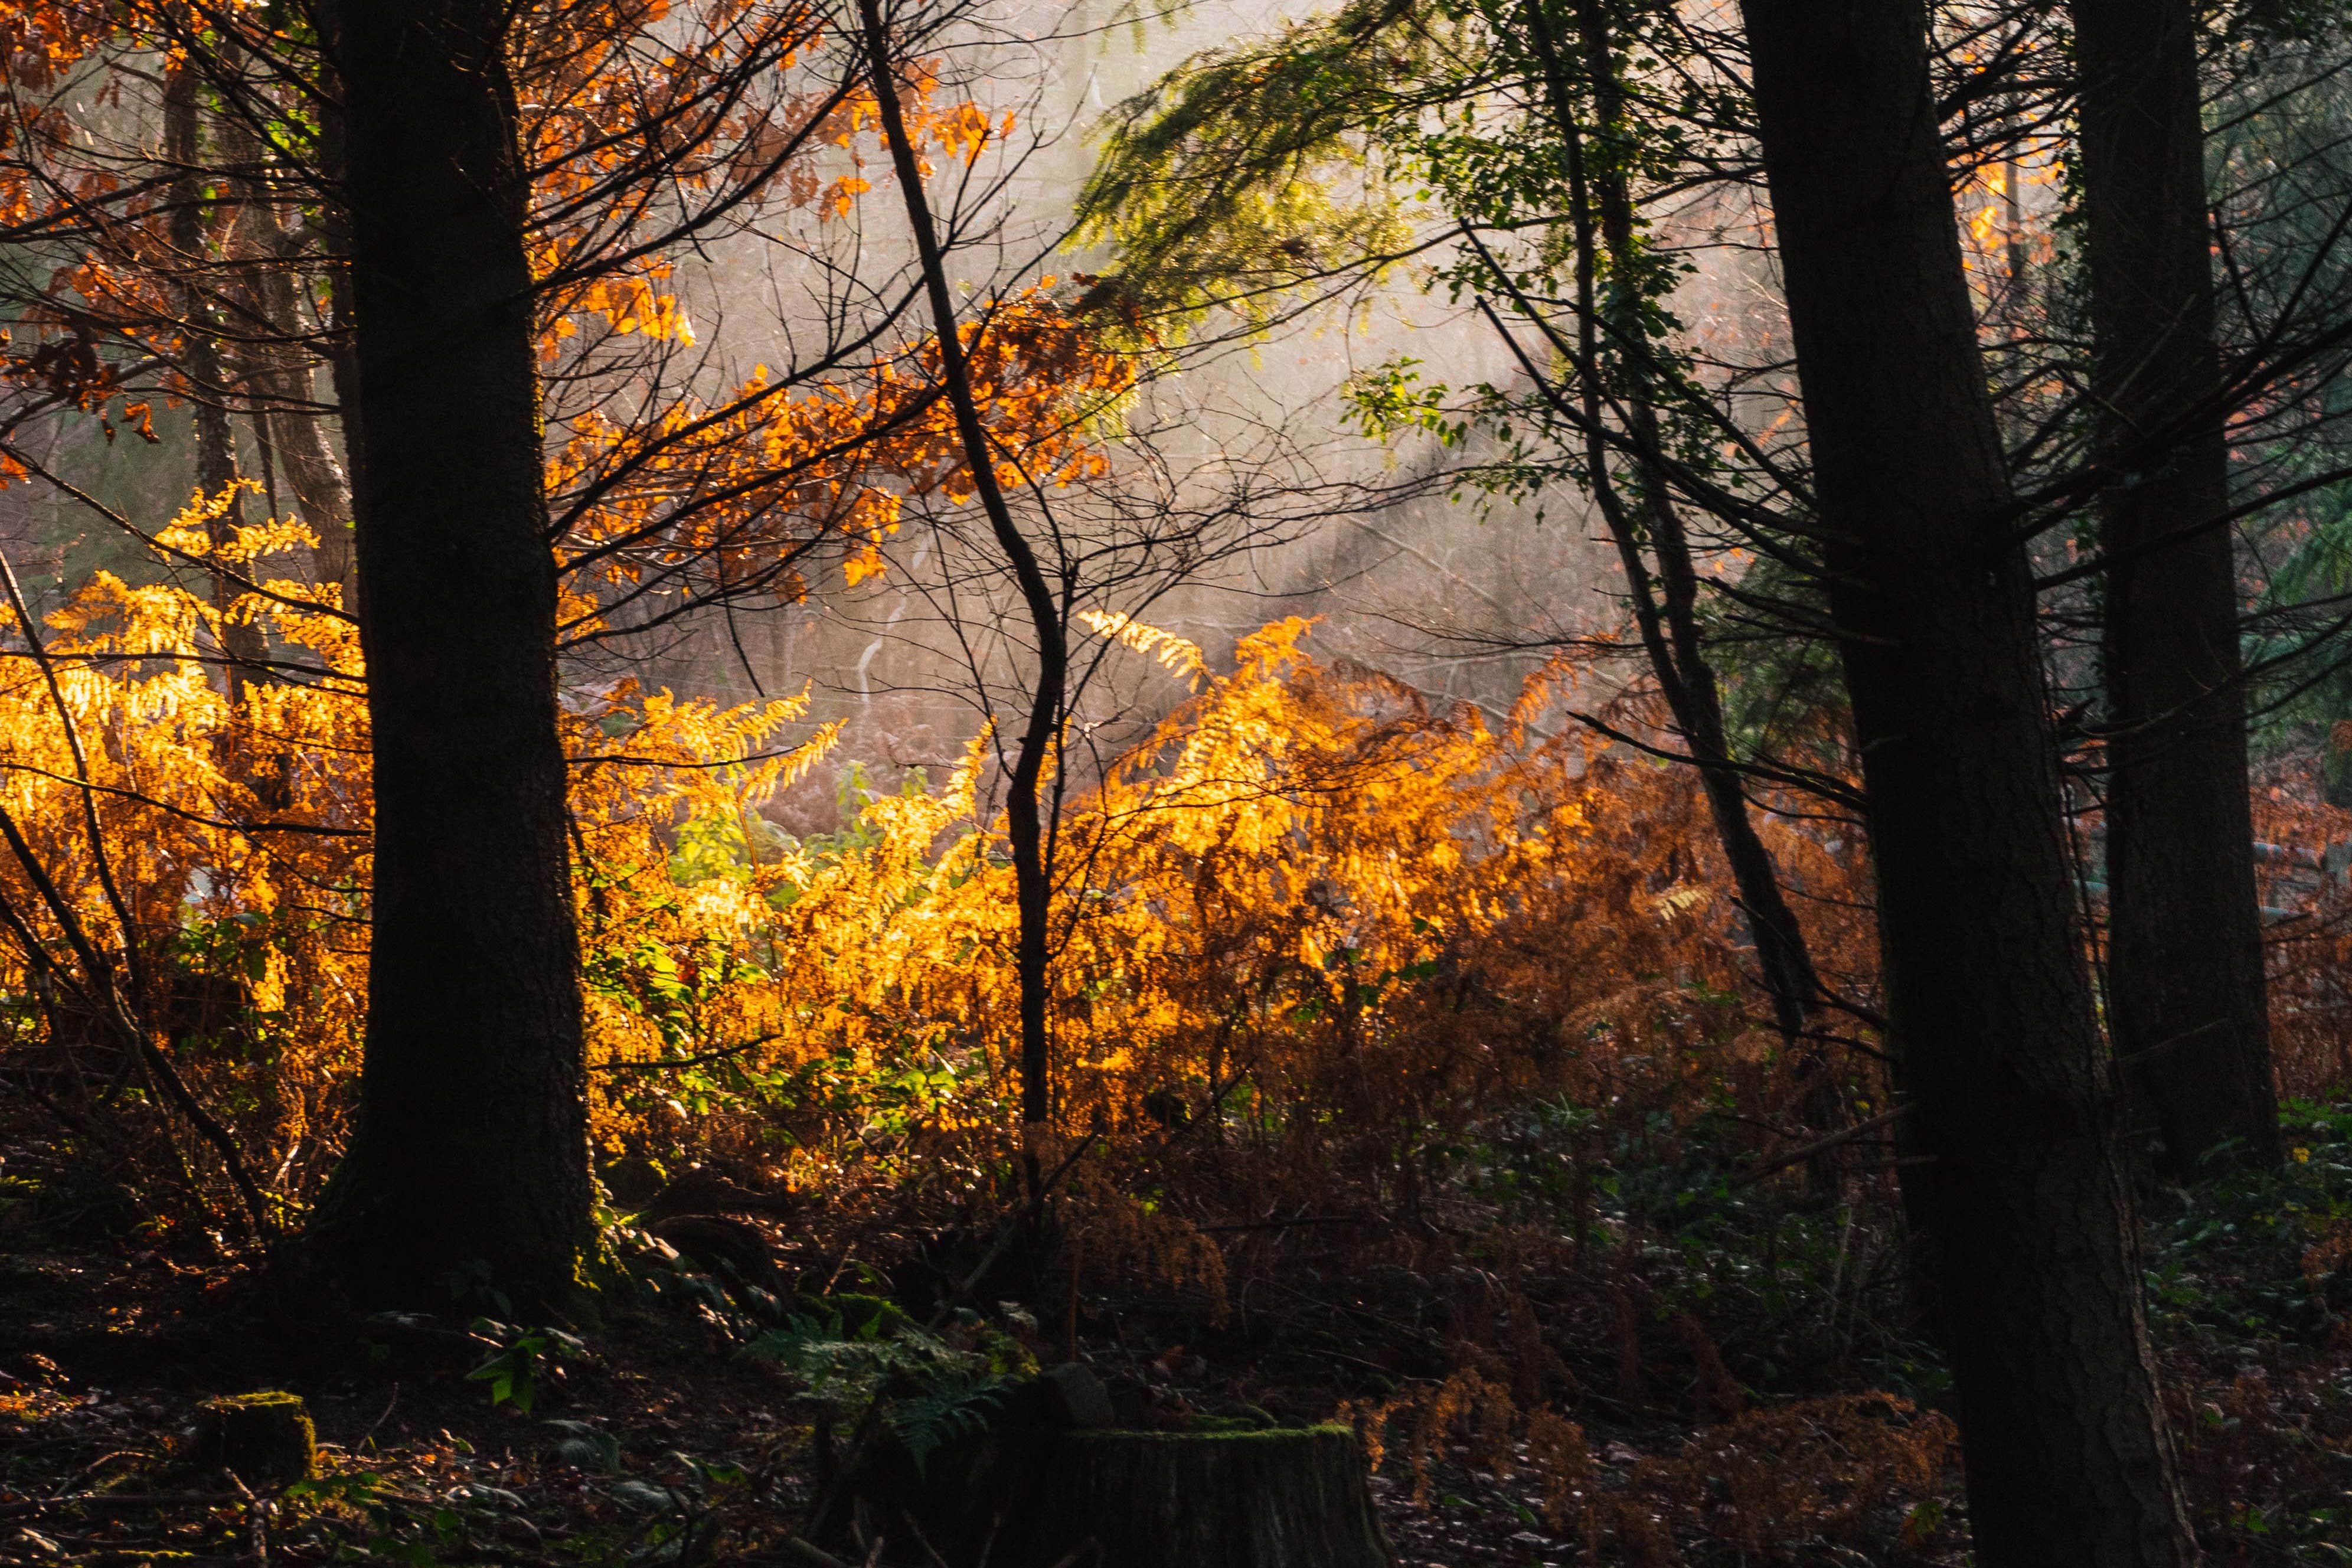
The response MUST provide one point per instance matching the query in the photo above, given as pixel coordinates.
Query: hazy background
(1432, 591)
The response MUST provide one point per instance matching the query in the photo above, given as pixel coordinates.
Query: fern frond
(1179, 656)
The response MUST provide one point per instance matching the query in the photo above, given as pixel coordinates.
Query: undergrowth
(1409, 1064)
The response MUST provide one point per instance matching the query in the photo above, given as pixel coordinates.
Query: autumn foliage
(1465, 994)
(1321, 948)
(1311, 937)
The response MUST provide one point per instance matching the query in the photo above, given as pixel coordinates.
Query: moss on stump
(1292, 1498)
(263, 1439)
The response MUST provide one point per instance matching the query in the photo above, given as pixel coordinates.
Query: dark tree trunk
(470, 1156)
(2030, 1214)
(2185, 943)
(1666, 610)
(1024, 811)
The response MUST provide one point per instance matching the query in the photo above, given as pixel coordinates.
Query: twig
(661, 1063)
(810, 1552)
(388, 1405)
(257, 1522)
(104, 1459)
(921, 1540)
(1821, 1146)
(119, 1499)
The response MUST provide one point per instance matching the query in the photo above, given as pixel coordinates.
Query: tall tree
(217, 465)
(1241, 133)
(1667, 615)
(470, 1158)
(2030, 1213)
(278, 379)
(1049, 617)
(2185, 944)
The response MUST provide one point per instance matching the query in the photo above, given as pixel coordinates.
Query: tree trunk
(242, 645)
(335, 231)
(275, 363)
(469, 1161)
(1282, 1499)
(2031, 1217)
(1024, 815)
(2185, 943)
(1667, 618)
(322, 495)
(264, 1440)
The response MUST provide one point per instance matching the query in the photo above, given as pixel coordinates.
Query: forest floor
(650, 1440)
(106, 1353)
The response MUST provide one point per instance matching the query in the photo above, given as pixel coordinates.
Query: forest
(1175, 783)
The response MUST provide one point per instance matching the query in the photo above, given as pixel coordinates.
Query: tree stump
(262, 1438)
(1288, 1498)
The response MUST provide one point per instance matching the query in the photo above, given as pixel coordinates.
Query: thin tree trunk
(1025, 822)
(2186, 996)
(469, 1161)
(276, 366)
(200, 362)
(335, 231)
(2030, 1215)
(322, 495)
(1667, 617)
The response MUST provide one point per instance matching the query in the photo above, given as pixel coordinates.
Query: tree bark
(469, 1161)
(2030, 1213)
(1665, 613)
(322, 495)
(335, 231)
(242, 644)
(1023, 816)
(275, 363)
(2185, 998)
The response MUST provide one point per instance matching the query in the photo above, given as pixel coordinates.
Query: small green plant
(360, 1493)
(923, 1389)
(586, 1447)
(524, 1357)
